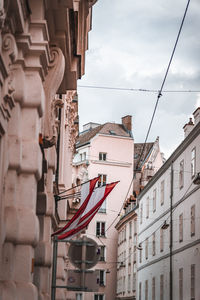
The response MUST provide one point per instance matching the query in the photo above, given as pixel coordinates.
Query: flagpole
(54, 268)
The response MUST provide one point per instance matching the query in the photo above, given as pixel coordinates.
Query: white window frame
(146, 289)
(154, 244)
(102, 156)
(193, 162)
(153, 288)
(154, 199)
(181, 284)
(192, 220)
(192, 290)
(97, 296)
(147, 208)
(100, 230)
(181, 227)
(181, 174)
(162, 192)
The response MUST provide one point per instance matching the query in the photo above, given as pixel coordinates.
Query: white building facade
(168, 222)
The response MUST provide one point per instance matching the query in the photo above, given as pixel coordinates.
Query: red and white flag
(96, 200)
(86, 192)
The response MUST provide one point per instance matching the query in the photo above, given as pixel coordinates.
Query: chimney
(196, 115)
(188, 127)
(127, 122)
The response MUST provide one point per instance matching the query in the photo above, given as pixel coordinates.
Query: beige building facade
(42, 55)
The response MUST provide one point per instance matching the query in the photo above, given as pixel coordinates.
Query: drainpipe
(171, 234)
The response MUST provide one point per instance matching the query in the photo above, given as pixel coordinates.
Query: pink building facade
(42, 54)
(106, 150)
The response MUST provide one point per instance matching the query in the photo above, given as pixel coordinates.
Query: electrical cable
(164, 80)
(137, 89)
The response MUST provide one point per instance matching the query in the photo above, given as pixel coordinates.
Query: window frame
(193, 162)
(162, 192)
(102, 156)
(181, 174)
(181, 227)
(102, 180)
(154, 199)
(192, 221)
(100, 228)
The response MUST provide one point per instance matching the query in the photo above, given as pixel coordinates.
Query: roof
(138, 150)
(112, 129)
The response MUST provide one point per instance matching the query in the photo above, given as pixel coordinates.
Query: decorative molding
(51, 85)
(71, 117)
(8, 57)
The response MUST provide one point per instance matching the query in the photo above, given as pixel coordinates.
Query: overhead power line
(156, 104)
(136, 89)
(164, 80)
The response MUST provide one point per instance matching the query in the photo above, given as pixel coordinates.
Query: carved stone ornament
(9, 55)
(51, 85)
(71, 116)
(2, 14)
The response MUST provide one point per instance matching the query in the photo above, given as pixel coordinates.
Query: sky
(130, 45)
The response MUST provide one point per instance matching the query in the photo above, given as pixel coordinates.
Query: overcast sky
(129, 47)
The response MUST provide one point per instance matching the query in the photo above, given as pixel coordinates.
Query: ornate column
(45, 199)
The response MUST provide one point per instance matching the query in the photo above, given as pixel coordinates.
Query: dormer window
(102, 156)
(112, 132)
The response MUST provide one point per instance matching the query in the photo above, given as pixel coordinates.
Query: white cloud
(130, 46)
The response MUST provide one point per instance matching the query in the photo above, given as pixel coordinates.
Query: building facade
(168, 262)
(106, 150)
(42, 54)
(147, 160)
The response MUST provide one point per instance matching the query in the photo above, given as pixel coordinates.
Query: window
(140, 251)
(129, 283)
(141, 213)
(162, 287)
(134, 255)
(135, 226)
(181, 284)
(154, 244)
(83, 156)
(181, 228)
(147, 208)
(102, 179)
(102, 256)
(130, 230)
(161, 239)
(124, 284)
(154, 200)
(100, 229)
(102, 156)
(162, 188)
(102, 209)
(102, 278)
(129, 256)
(193, 162)
(79, 296)
(125, 233)
(99, 297)
(193, 220)
(140, 291)
(192, 296)
(146, 248)
(146, 289)
(153, 288)
(134, 282)
(181, 174)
